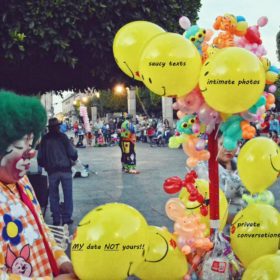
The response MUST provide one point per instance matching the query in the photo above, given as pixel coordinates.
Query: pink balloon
(209, 117)
(272, 88)
(184, 22)
(262, 21)
(191, 103)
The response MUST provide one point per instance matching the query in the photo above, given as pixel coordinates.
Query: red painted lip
(229, 155)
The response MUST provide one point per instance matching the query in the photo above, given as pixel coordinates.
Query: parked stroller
(114, 139)
(80, 169)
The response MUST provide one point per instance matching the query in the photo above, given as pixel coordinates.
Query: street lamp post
(131, 98)
(131, 101)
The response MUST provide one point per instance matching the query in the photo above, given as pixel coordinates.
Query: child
(89, 136)
(100, 138)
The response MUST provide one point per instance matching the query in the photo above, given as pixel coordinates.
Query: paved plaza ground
(144, 191)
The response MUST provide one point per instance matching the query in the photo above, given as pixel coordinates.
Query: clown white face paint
(16, 161)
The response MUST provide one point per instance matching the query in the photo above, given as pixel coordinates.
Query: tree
(148, 102)
(61, 44)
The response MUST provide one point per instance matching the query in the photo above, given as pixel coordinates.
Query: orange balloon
(248, 131)
(195, 156)
(270, 100)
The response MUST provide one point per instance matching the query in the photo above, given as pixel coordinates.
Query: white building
(47, 102)
(68, 105)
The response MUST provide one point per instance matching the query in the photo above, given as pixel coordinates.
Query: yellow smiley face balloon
(232, 80)
(255, 232)
(194, 206)
(170, 65)
(265, 267)
(164, 259)
(109, 243)
(129, 43)
(258, 164)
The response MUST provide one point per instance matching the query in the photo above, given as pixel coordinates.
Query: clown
(28, 250)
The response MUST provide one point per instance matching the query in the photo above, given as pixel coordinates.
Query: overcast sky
(252, 10)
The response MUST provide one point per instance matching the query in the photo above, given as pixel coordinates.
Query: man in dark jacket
(56, 154)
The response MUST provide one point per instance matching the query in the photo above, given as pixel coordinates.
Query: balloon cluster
(175, 184)
(221, 82)
(224, 80)
(84, 115)
(193, 198)
(117, 234)
(258, 166)
(191, 231)
(190, 213)
(252, 38)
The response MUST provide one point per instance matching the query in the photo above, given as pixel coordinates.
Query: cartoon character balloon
(229, 26)
(252, 38)
(129, 43)
(194, 206)
(194, 154)
(194, 33)
(170, 65)
(114, 235)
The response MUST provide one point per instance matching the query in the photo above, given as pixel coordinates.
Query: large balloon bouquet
(221, 80)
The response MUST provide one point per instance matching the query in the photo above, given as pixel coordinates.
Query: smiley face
(129, 43)
(164, 259)
(114, 234)
(170, 65)
(232, 80)
(259, 164)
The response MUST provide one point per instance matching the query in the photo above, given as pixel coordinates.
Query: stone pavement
(144, 191)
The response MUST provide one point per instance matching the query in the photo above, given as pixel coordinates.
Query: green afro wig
(19, 115)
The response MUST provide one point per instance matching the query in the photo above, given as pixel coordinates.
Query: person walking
(56, 154)
(127, 144)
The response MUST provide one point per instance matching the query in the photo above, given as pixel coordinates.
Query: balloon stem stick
(213, 169)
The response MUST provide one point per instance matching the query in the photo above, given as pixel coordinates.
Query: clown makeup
(16, 161)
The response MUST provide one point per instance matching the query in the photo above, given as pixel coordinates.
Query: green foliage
(61, 44)
(150, 101)
(109, 102)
